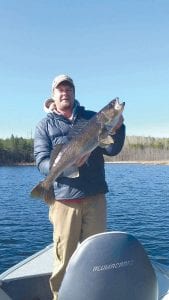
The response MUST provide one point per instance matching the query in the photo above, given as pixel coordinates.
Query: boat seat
(111, 266)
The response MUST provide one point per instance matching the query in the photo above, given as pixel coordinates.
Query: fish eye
(110, 105)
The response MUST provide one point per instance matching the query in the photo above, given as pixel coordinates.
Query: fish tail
(40, 191)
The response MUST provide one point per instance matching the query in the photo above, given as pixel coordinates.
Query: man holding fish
(69, 145)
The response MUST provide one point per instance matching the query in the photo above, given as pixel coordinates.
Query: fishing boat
(111, 265)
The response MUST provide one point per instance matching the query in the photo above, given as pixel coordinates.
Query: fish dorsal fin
(54, 153)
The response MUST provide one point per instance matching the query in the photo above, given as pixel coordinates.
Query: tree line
(138, 148)
(18, 150)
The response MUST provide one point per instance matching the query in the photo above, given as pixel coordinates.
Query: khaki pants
(72, 223)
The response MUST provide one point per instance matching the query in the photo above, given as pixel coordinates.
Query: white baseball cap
(61, 78)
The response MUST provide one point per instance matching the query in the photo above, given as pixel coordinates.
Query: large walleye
(96, 132)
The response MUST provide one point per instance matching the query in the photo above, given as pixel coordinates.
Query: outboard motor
(110, 266)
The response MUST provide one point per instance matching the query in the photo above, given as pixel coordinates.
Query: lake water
(138, 202)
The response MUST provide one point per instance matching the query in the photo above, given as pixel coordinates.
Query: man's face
(64, 96)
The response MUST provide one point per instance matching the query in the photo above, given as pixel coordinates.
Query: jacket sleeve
(116, 147)
(42, 148)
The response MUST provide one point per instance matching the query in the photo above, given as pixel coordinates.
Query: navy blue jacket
(54, 130)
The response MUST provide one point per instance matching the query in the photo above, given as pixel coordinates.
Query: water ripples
(137, 202)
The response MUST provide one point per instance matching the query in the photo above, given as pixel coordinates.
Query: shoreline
(18, 164)
(143, 162)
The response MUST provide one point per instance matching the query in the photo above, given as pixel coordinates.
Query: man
(79, 209)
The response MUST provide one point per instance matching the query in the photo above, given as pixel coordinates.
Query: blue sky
(110, 48)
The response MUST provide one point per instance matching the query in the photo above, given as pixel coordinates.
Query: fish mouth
(115, 103)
